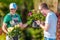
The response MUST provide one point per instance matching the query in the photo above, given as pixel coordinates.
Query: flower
(30, 13)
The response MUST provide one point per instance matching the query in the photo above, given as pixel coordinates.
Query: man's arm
(45, 27)
(4, 28)
(20, 23)
(23, 25)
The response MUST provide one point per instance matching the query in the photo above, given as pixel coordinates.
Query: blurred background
(24, 7)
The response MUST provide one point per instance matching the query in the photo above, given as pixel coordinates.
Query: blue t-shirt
(51, 19)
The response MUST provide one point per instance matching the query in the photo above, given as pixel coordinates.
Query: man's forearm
(42, 26)
(23, 25)
(5, 30)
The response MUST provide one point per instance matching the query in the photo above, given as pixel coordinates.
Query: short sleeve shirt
(51, 19)
(12, 20)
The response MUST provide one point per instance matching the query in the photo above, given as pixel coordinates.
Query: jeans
(49, 39)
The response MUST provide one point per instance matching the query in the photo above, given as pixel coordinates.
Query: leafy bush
(29, 33)
(15, 31)
(34, 16)
(34, 33)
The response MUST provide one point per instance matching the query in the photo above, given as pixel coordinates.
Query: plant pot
(0, 31)
(15, 38)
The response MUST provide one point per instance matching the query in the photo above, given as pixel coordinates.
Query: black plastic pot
(15, 38)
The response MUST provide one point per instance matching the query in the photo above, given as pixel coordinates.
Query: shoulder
(17, 15)
(52, 15)
(7, 16)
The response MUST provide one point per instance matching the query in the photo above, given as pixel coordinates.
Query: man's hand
(24, 25)
(10, 29)
(38, 22)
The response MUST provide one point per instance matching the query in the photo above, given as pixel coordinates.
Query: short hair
(44, 6)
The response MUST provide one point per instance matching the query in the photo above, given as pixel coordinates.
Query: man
(50, 22)
(11, 19)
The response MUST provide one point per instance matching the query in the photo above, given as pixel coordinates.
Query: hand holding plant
(13, 31)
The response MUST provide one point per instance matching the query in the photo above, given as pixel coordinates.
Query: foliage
(34, 33)
(35, 16)
(22, 4)
(15, 31)
(30, 32)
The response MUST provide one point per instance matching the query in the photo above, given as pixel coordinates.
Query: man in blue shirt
(50, 22)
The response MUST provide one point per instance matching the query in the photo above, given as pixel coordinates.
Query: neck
(47, 11)
(12, 13)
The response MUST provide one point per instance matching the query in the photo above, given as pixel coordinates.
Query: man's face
(12, 10)
(43, 11)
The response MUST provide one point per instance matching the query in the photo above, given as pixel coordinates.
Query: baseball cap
(12, 6)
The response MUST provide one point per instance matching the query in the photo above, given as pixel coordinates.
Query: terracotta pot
(0, 31)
